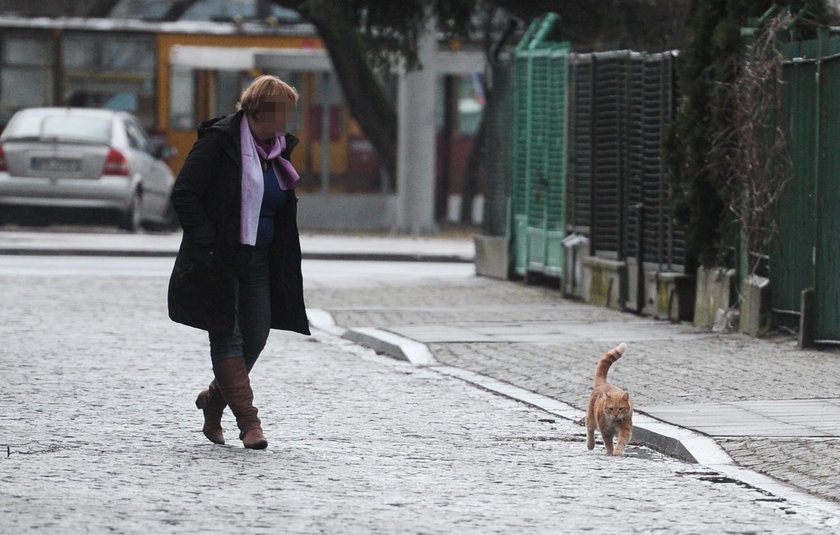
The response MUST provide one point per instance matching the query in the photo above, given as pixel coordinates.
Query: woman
(237, 273)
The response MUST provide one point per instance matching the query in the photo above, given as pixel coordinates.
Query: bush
(696, 148)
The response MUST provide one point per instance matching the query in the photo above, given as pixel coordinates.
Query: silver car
(85, 158)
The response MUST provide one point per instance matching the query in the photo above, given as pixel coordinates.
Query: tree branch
(100, 8)
(177, 8)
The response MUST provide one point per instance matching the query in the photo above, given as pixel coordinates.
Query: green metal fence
(806, 252)
(540, 151)
(619, 105)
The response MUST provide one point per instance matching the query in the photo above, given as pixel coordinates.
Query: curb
(85, 252)
(362, 256)
(392, 345)
(652, 433)
(388, 257)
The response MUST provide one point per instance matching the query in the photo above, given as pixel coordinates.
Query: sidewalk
(313, 246)
(768, 405)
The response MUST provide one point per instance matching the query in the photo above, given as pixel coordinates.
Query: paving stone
(666, 364)
(101, 435)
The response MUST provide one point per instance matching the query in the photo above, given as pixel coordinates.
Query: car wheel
(130, 219)
(170, 221)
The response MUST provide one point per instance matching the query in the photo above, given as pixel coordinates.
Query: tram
(174, 75)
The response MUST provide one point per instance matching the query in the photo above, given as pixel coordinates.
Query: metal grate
(498, 151)
(622, 104)
(581, 146)
(612, 129)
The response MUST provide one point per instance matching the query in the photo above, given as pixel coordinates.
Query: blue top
(272, 203)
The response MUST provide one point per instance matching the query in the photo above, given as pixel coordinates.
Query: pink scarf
(252, 178)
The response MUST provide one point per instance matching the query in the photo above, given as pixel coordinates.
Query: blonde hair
(256, 94)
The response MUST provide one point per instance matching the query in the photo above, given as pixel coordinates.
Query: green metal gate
(540, 151)
(806, 252)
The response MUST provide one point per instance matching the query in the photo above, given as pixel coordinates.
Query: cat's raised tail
(606, 361)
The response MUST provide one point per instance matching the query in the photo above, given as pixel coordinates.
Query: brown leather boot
(213, 404)
(232, 379)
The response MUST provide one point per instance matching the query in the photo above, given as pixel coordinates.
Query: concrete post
(415, 210)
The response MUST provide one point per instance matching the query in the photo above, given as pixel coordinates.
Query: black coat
(207, 196)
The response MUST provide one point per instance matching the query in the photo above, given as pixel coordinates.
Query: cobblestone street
(101, 435)
(530, 337)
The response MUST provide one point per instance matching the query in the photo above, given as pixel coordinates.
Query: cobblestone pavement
(99, 434)
(666, 364)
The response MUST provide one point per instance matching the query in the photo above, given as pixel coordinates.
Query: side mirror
(166, 152)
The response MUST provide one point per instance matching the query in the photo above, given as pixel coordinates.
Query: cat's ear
(626, 396)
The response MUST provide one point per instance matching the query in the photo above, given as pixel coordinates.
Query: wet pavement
(100, 435)
(738, 390)
(755, 399)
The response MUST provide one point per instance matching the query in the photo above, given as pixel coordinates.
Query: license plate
(64, 165)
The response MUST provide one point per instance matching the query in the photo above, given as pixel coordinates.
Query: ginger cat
(610, 409)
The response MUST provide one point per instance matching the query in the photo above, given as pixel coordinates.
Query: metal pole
(814, 322)
(326, 101)
(416, 142)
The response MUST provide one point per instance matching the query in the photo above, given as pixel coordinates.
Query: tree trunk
(366, 99)
(443, 185)
(364, 94)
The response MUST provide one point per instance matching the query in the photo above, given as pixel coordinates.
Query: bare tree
(363, 91)
(759, 140)
(82, 8)
(177, 8)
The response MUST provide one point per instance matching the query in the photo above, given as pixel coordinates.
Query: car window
(137, 137)
(67, 127)
(133, 140)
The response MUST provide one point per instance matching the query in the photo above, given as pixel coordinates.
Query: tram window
(23, 88)
(26, 78)
(227, 92)
(182, 99)
(106, 70)
(109, 53)
(27, 51)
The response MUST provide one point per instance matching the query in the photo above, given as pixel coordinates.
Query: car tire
(170, 222)
(130, 219)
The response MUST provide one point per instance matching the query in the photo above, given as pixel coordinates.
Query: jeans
(253, 309)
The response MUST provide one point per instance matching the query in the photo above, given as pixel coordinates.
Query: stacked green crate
(556, 161)
(519, 196)
(499, 152)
